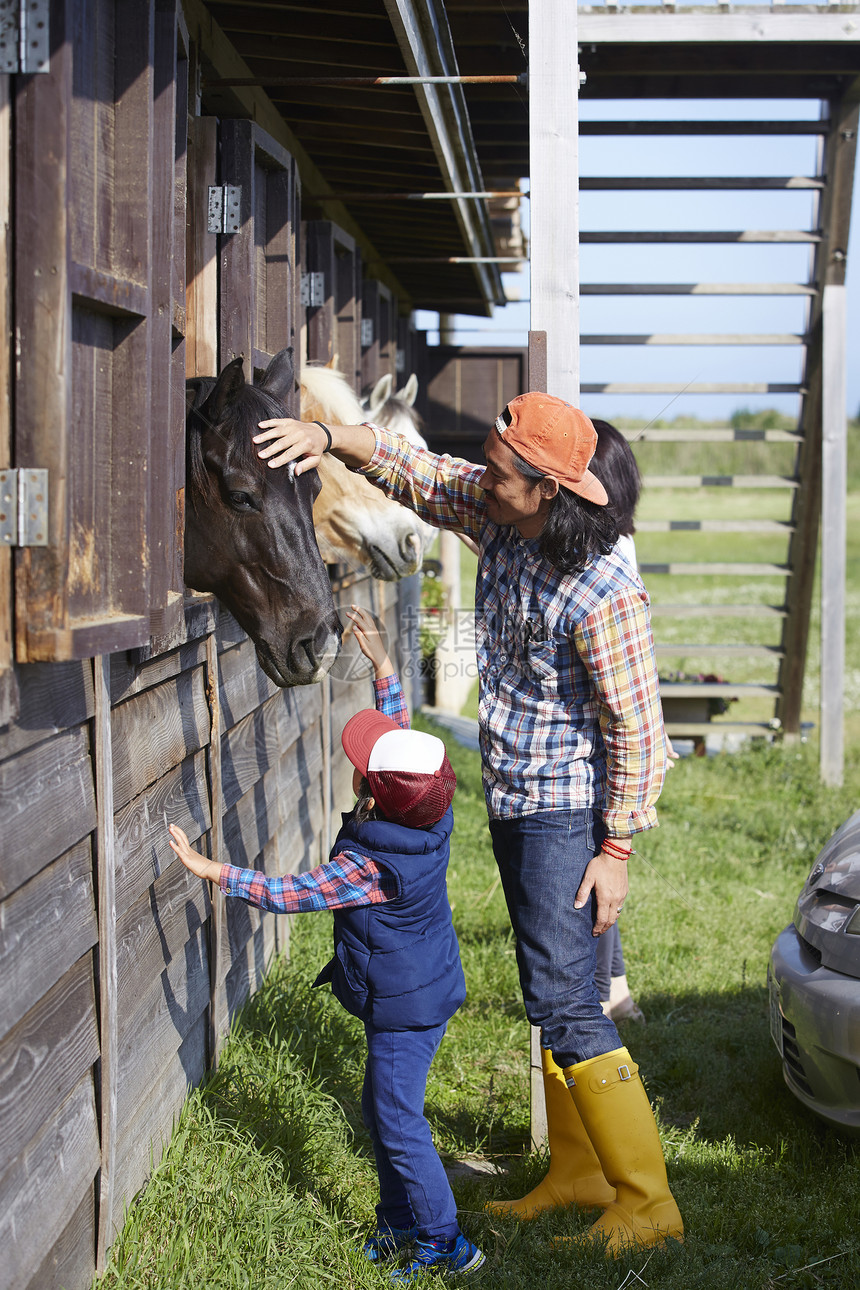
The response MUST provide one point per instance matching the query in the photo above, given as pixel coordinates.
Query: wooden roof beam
(421, 28)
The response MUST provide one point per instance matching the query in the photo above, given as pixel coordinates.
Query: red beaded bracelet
(618, 853)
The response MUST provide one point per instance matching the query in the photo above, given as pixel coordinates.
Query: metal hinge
(400, 360)
(225, 209)
(312, 289)
(24, 507)
(24, 36)
(366, 332)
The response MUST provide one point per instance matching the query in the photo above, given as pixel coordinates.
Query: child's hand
(369, 641)
(193, 860)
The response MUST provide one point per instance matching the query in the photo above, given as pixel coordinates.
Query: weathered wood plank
(180, 797)
(246, 973)
(201, 351)
(45, 1056)
(143, 1136)
(217, 930)
(47, 803)
(156, 930)
(47, 924)
(42, 391)
(156, 730)
(252, 822)
(70, 1262)
(52, 697)
(243, 685)
(133, 676)
(8, 688)
(250, 750)
(42, 1189)
(108, 1003)
(165, 1014)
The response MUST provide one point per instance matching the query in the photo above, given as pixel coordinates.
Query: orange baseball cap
(555, 437)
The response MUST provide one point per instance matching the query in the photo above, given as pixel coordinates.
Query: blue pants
(610, 960)
(413, 1187)
(542, 859)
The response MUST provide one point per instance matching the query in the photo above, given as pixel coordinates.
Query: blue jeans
(413, 1187)
(610, 960)
(542, 859)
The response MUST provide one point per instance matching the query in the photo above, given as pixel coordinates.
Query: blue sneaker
(386, 1242)
(449, 1258)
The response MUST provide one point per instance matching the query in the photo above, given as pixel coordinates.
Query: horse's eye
(242, 501)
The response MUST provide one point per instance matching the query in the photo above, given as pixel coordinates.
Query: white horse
(354, 521)
(396, 410)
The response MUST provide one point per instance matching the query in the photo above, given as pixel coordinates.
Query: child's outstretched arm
(347, 879)
(370, 642)
(193, 860)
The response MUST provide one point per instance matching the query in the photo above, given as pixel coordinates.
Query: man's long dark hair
(576, 530)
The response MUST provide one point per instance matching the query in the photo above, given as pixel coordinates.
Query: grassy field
(268, 1182)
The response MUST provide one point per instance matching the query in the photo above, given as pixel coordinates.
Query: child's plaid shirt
(569, 710)
(347, 879)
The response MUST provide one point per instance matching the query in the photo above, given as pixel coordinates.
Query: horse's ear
(280, 378)
(333, 362)
(409, 393)
(380, 393)
(228, 385)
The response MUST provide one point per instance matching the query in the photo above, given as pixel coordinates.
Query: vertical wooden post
(833, 532)
(218, 917)
(554, 205)
(106, 865)
(201, 290)
(554, 183)
(8, 707)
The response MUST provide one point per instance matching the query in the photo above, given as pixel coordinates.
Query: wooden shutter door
(88, 179)
(259, 283)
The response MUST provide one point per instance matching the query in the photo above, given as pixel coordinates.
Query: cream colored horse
(355, 522)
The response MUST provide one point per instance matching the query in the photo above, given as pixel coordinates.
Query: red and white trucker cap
(408, 771)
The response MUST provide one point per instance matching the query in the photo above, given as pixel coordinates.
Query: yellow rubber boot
(617, 1116)
(574, 1176)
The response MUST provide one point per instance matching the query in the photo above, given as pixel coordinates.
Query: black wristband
(327, 434)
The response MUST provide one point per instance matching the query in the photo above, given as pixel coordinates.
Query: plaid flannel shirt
(569, 712)
(346, 880)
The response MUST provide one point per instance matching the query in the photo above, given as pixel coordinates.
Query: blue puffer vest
(397, 965)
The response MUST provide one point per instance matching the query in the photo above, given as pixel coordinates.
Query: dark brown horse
(249, 534)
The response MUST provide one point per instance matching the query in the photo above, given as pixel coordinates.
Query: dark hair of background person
(576, 530)
(363, 810)
(615, 466)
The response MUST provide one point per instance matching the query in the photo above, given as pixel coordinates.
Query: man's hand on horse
(303, 442)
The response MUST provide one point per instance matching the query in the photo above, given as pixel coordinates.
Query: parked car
(814, 985)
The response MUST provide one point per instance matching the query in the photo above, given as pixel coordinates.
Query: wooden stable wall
(182, 957)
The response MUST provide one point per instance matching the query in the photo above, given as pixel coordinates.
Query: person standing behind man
(573, 760)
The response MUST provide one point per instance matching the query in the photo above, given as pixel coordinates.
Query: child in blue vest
(396, 963)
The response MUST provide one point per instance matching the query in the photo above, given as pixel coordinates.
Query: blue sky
(721, 155)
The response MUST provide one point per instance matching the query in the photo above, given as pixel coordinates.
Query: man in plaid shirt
(573, 753)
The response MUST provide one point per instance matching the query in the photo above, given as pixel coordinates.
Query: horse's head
(355, 521)
(249, 535)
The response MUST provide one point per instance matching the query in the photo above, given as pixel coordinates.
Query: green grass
(268, 1180)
